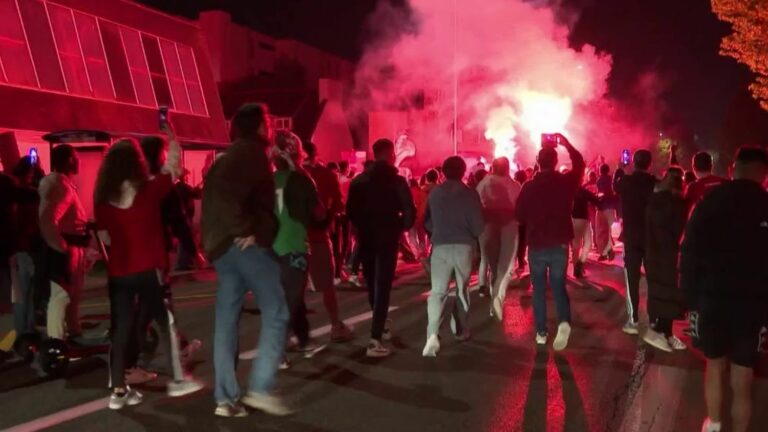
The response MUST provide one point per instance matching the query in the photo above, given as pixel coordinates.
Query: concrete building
(303, 85)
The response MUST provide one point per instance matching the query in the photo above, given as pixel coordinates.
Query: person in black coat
(664, 225)
(635, 190)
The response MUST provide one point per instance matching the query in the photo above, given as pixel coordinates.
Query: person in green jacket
(297, 209)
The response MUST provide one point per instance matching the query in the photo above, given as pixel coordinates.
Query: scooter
(54, 355)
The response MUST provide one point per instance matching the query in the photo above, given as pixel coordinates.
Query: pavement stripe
(100, 404)
(61, 416)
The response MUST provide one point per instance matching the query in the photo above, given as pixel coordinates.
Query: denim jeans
(24, 307)
(552, 262)
(254, 269)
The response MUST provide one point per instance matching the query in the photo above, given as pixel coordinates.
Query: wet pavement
(498, 381)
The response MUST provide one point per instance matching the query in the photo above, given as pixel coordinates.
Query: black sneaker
(602, 258)
(611, 255)
(578, 270)
(484, 291)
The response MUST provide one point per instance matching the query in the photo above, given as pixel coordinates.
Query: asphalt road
(498, 381)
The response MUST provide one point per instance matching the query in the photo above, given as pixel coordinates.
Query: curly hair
(123, 162)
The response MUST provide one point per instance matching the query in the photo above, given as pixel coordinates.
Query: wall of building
(238, 52)
(332, 134)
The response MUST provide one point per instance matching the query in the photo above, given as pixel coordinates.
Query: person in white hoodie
(498, 243)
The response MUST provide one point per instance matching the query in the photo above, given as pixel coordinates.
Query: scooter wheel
(26, 345)
(54, 357)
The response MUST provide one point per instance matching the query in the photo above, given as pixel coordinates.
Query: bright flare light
(543, 113)
(538, 113)
(500, 128)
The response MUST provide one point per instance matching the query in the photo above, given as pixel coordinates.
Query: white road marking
(61, 416)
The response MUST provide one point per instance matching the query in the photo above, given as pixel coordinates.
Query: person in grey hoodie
(454, 217)
(498, 193)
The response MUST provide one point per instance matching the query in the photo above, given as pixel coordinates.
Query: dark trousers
(354, 258)
(522, 247)
(662, 325)
(340, 238)
(293, 274)
(634, 257)
(142, 355)
(379, 259)
(134, 300)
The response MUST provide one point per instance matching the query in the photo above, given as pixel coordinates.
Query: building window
(51, 47)
(157, 71)
(70, 53)
(192, 80)
(118, 65)
(282, 123)
(137, 64)
(41, 45)
(15, 62)
(175, 76)
(95, 60)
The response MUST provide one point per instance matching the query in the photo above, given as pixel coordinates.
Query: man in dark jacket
(724, 275)
(381, 208)
(544, 207)
(665, 220)
(634, 190)
(239, 227)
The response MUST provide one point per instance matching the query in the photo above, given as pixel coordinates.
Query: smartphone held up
(550, 140)
(163, 117)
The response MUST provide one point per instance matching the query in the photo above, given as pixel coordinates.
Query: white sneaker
(267, 403)
(631, 328)
(376, 349)
(657, 340)
(336, 281)
(541, 338)
(284, 364)
(184, 387)
(137, 375)
(130, 398)
(354, 280)
(563, 334)
(432, 347)
(677, 344)
(230, 410)
(710, 426)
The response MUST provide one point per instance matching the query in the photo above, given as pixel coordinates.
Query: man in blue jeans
(544, 207)
(239, 227)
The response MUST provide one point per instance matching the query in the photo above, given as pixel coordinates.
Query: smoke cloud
(503, 70)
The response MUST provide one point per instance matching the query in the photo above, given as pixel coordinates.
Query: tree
(748, 43)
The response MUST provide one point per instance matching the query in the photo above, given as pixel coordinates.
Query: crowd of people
(276, 222)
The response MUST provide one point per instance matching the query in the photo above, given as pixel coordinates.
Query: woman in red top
(127, 207)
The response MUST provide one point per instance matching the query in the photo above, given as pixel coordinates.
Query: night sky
(678, 40)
